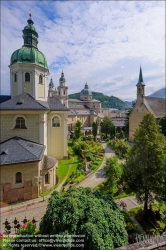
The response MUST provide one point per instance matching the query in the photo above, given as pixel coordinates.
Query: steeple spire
(140, 75)
(140, 80)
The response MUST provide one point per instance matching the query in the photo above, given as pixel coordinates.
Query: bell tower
(28, 66)
(63, 90)
(140, 87)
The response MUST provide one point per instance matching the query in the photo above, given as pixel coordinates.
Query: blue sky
(102, 43)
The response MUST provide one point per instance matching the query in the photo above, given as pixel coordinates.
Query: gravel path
(96, 178)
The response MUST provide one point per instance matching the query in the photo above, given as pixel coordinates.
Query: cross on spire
(30, 14)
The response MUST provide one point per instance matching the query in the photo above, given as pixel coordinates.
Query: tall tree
(162, 123)
(77, 130)
(145, 163)
(107, 126)
(94, 129)
(81, 211)
(113, 173)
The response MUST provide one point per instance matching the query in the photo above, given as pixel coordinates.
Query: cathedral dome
(86, 90)
(29, 52)
(29, 55)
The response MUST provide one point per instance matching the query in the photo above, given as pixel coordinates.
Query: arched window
(29, 40)
(15, 77)
(55, 121)
(27, 77)
(20, 123)
(40, 79)
(46, 179)
(18, 177)
(64, 92)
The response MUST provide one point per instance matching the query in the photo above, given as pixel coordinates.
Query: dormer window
(27, 77)
(15, 77)
(40, 79)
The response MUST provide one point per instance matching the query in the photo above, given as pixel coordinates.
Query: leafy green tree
(162, 123)
(81, 211)
(94, 129)
(145, 163)
(77, 130)
(106, 126)
(113, 173)
(121, 146)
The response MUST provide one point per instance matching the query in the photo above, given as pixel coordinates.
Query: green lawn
(63, 168)
(126, 193)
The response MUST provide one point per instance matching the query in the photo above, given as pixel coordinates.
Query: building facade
(145, 104)
(34, 116)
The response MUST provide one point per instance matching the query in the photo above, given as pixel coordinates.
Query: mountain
(106, 101)
(129, 104)
(161, 93)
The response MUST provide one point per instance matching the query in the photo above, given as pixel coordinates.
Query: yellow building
(86, 109)
(33, 116)
(144, 104)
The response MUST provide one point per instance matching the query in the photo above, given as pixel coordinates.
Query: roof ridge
(148, 106)
(37, 100)
(25, 148)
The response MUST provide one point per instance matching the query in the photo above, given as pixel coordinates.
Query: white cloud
(92, 41)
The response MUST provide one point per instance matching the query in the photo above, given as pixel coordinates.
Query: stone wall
(156, 243)
(10, 191)
(135, 118)
(57, 137)
(31, 133)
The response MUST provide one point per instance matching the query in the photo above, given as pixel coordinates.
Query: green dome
(29, 27)
(29, 55)
(86, 90)
(51, 84)
(62, 78)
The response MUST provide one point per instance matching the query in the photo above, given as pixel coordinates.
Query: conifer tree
(145, 163)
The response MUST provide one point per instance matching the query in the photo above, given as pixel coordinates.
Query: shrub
(77, 149)
(89, 156)
(83, 144)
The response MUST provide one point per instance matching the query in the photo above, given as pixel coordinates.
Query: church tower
(63, 91)
(28, 66)
(140, 87)
(52, 92)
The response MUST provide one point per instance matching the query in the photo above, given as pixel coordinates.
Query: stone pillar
(48, 134)
(20, 75)
(42, 130)
(65, 136)
(34, 83)
(11, 82)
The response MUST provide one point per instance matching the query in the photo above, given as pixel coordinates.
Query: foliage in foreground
(145, 168)
(85, 212)
(163, 125)
(113, 173)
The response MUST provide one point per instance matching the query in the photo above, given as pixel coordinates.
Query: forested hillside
(107, 101)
